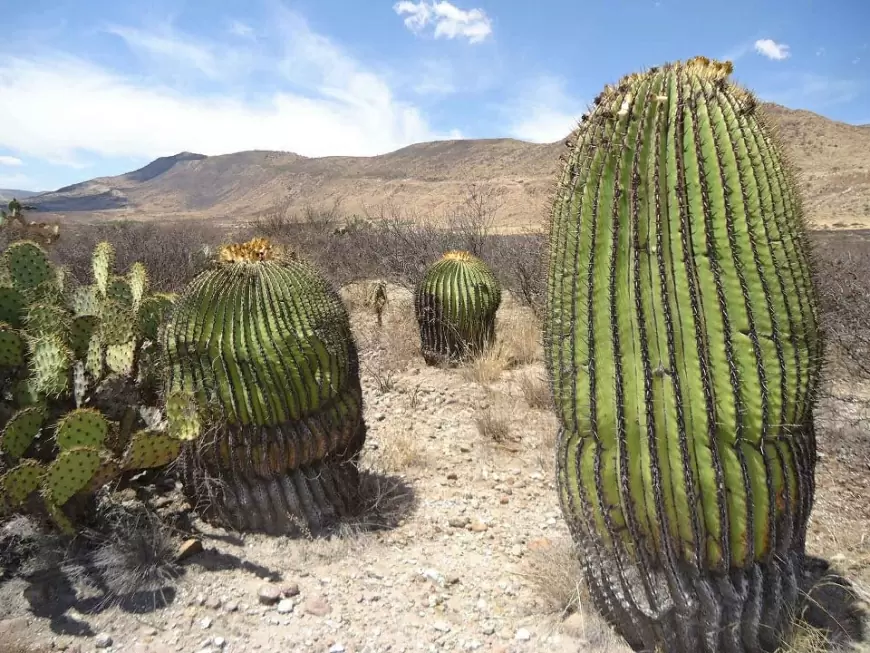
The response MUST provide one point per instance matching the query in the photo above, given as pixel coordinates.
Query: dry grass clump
(399, 451)
(535, 391)
(492, 426)
(487, 367)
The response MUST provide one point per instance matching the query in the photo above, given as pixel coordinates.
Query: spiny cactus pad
(12, 305)
(82, 328)
(28, 265)
(21, 481)
(682, 342)
(138, 282)
(455, 303)
(102, 262)
(150, 449)
(11, 346)
(21, 429)
(70, 472)
(152, 313)
(83, 427)
(264, 342)
(50, 365)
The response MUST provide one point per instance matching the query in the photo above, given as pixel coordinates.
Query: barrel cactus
(683, 349)
(78, 380)
(262, 365)
(455, 303)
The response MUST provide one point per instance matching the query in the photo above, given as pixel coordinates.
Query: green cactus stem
(455, 303)
(262, 343)
(684, 353)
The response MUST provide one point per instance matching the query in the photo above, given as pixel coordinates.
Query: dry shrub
(492, 426)
(520, 337)
(535, 391)
(555, 573)
(399, 451)
(486, 367)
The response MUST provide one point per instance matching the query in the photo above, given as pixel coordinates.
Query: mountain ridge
(430, 179)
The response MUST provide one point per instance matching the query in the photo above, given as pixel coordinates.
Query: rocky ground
(478, 557)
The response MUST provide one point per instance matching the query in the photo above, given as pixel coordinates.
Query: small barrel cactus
(455, 303)
(261, 362)
(684, 352)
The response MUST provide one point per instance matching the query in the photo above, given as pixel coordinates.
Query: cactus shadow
(833, 605)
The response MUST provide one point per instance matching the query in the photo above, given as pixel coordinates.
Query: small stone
(317, 606)
(457, 522)
(189, 548)
(503, 499)
(213, 603)
(477, 526)
(205, 623)
(149, 632)
(289, 589)
(103, 640)
(231, 606)
(285, 606)
(488, 629)
(523, 635)
(269, 594)
(452, 476)
(220, 642)
(441, 627)
(336, 648)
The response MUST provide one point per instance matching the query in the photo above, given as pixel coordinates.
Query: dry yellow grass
(535, 391)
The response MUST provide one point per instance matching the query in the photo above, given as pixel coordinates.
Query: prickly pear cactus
(262, 362)
(684, 352)
(455, 303)
(81, 461)
(65, 351)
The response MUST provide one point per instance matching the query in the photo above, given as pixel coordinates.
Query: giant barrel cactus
(455, 303)
(260, 348)
(684, 355)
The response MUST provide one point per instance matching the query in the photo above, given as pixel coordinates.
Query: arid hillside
(428, 180)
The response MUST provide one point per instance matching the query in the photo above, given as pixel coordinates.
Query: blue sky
(100, 87)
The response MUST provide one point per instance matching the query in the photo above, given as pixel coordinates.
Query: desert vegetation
(331, 485)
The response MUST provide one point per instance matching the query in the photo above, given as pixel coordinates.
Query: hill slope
(429, 179)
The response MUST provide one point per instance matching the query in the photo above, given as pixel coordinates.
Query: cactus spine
(455, 304)
(262, 362)
(684, 354)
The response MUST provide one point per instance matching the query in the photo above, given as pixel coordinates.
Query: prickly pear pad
(150, 449)
(28, 265)
(21, 429)
(12, 305)
(11, 346)
(21, 481)
(83, 427)
(70, 472)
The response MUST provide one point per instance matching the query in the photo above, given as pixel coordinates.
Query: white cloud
(450, 21)
(6, 160)
(16, 181)
(317, 101)
(238, 28)
(820, 52)
(772, 50)
(546, 112)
